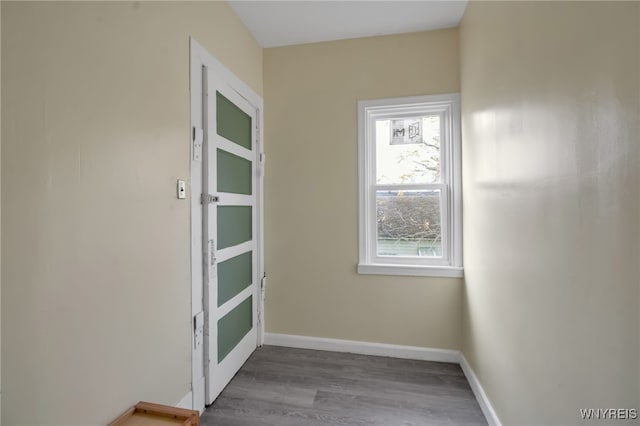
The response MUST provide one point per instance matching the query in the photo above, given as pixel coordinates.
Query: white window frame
(448, 107)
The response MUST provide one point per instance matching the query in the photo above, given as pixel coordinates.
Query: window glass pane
(234, 275)
(233, 123)
(408, 150)
(409, 223)
(234, 326)
(234, 173)
(234, 225)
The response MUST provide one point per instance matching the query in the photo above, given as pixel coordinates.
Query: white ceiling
(282, 23)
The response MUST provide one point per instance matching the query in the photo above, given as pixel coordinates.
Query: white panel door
(230, 185)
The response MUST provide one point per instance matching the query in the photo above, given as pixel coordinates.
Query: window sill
(416, 271)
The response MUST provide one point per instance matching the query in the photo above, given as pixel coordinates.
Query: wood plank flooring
(299, 387)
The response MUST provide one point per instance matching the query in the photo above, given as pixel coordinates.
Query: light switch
(182, 189)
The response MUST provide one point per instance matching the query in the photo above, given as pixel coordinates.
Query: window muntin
(410, 186)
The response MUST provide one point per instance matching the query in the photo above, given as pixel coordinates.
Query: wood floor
(298, 387)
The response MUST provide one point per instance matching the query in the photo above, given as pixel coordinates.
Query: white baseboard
(478, 391)
(363, 348)
(186, 402)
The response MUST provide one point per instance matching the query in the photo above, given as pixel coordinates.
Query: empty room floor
(299, 387)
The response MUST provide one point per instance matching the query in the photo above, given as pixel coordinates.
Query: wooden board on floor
(148, 414)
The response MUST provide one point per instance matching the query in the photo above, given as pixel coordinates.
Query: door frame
(200, 58)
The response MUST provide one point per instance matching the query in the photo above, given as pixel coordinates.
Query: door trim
(201, 58)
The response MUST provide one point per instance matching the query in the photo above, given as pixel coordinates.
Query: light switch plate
(182, 189)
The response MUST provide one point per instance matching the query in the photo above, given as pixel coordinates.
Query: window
(410, 197)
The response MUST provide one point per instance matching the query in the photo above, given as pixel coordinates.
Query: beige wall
(311, 203)
(96, 283)
(550, 95)
(0, 209)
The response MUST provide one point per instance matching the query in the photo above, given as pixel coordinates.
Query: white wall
(95, 245)
(550, 100)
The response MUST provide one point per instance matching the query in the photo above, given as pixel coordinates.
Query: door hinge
(198, 329)
(208, 198)
(197, 138)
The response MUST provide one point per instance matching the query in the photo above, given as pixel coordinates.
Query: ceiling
(283, 23)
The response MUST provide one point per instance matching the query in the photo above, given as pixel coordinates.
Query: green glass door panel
(234, 275)
(234, 225)
(233, 123)
(234, 326)
(234, 173)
